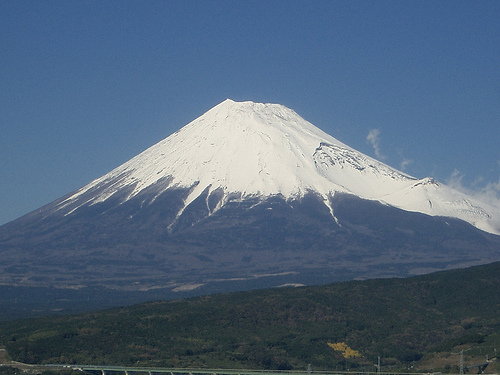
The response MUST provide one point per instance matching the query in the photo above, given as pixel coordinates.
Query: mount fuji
(247, 195)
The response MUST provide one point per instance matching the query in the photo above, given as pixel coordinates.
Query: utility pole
(378, 366)
(462, 362)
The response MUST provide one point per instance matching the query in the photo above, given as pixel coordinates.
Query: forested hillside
(418, 322)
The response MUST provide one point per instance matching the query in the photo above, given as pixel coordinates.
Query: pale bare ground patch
(4, 357)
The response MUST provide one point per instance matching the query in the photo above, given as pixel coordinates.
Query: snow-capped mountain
(243, 149)
(247, 195)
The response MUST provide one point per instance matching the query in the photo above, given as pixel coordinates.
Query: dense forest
(418, 323)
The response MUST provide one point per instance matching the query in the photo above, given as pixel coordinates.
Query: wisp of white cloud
(489, 194)
(374, 139)
(404, 163)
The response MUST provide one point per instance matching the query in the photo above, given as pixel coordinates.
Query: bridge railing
(108, 370)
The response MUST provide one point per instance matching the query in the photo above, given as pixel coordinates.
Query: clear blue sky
(86, 85)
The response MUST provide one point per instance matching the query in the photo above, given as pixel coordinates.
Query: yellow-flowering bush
(346, 351)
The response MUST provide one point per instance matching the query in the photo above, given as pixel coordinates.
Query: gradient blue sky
(86, 85)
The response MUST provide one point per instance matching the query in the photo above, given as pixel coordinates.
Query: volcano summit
(247, 192)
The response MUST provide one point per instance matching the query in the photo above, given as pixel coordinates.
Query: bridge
(108, 370)
(113, 370)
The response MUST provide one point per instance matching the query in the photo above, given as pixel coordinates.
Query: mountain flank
(415, 324)
(248, 195)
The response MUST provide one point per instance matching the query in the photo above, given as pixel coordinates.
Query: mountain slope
(250, 149)
(248, 194)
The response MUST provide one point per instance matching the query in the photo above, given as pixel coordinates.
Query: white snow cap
(255, 149)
